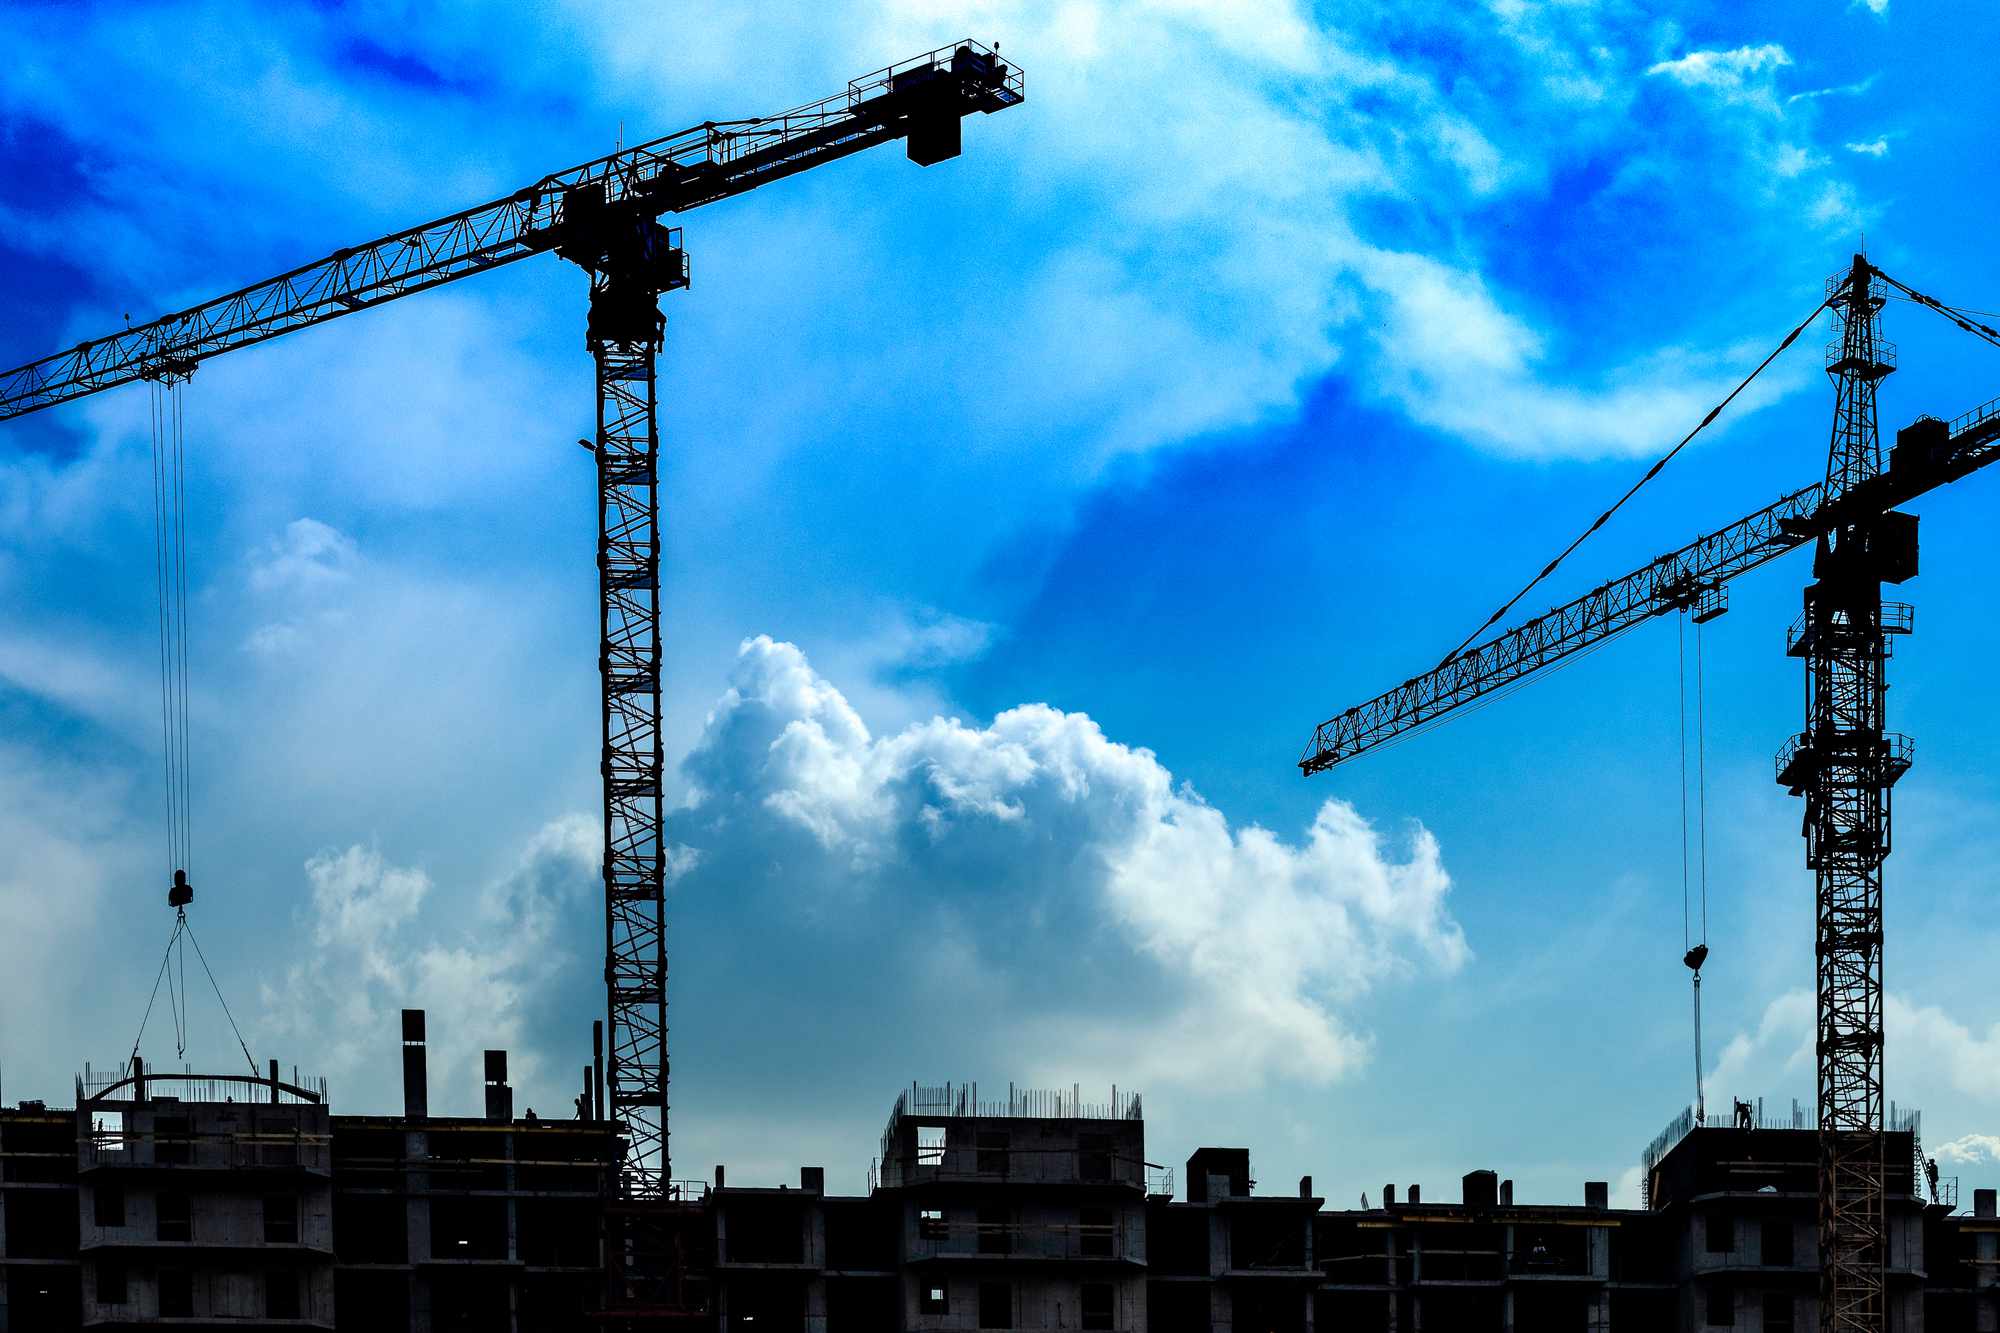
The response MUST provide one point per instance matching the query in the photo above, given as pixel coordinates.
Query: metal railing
(1041, 1166)
(1801, 1115)
(1020, 1240)
(1982, 413)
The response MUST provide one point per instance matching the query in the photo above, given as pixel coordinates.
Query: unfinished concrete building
(238, 1201)
(243, 1203)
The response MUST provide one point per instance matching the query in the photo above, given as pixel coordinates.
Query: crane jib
(1928, 453)
(716, 160)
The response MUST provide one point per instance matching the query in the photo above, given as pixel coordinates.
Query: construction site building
(241, 1202)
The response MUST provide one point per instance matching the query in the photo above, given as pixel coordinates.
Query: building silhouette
(242, 1202)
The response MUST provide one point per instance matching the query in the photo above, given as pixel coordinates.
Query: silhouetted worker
(582, 1101)
(530, 1116)
(1744, 1120)
(1930, 1173)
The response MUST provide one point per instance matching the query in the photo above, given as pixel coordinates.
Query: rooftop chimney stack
(1982, 1203)
(1416, 1194)
(1596, 1194)
(1506, 1194)
(499, 1097)
(416, 1081)
(1388, 1196)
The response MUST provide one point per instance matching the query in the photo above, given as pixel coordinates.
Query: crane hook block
(1695, 957)
(182, 893)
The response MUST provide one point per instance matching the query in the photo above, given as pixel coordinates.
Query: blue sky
(1024, 514)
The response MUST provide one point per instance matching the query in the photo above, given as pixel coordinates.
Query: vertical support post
(1844, 764)
(597, 1070)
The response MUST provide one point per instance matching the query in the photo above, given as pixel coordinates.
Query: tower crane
(1844, 762)
(602, 216)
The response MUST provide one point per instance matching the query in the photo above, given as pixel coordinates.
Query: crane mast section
(1928, 454)
(717, 160)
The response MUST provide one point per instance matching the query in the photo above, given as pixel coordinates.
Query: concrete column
(513, 1232)
(1389, 1275)
(417, 1225)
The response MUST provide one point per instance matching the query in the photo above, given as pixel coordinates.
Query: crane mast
(603, 216)
(1844, 762)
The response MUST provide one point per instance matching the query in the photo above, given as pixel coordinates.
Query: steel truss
(1844, 764)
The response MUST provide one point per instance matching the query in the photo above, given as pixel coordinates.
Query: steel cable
(1651, 473)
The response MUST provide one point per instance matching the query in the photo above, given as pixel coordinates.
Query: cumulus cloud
(1039, 828)
(382, 939)
(1970, 1149)
(1937, 1062)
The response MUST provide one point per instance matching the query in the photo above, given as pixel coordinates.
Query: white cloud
(384, 939)
(1970, 1149)
(1935, 1061)
(1746, 70)
(1876, 147)
(308, 557)
(1461, 363)
(1879, 8)
(1258, 947)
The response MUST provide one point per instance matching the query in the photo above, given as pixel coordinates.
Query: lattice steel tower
(1844, 763)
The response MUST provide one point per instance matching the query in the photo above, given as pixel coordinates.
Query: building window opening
(1093, 1159)
(930, 1145)
(1778, 1312)
(933, 1299)
(176, 1293)
(930, 1223)
(1778, 1241)
(107, 1130)
(108, 1205)
(996, 1305)
(111, 1283)
(281, 1294)
(993, 1154)
(281, 1219)
(1097, 1305)
(1094, 1235)
(996, 1231)
(1721, 1233)
(173, 1222)
(1721, 1305)
(173, 1141)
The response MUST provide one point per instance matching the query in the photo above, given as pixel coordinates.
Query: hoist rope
(1681, 700)
(1651, 473)
(1701, 776)
(170, 582)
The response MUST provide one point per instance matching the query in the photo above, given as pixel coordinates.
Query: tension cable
(1651, 473)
